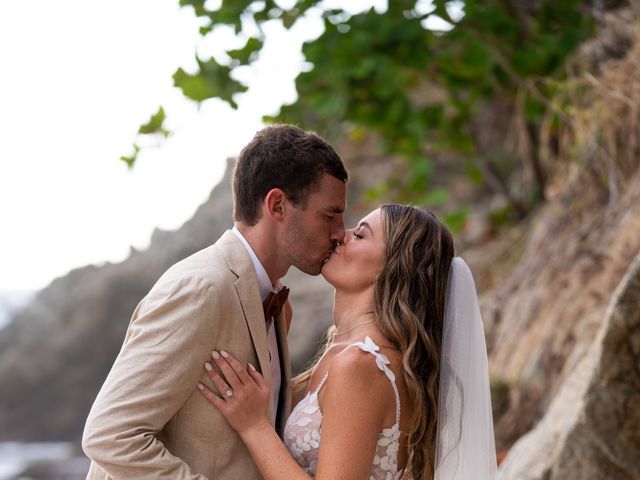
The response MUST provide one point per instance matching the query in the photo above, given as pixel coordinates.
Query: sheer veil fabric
(465, 446)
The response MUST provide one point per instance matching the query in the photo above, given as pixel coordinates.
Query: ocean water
(52, 460)
(15, 457)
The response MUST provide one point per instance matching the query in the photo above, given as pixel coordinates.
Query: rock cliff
(58, 350)
(591, 428)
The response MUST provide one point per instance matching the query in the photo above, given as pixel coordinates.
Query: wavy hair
(410, 294)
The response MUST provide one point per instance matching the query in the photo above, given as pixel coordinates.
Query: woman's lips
(328, 257)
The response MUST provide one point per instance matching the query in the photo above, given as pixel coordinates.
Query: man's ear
(274, 204)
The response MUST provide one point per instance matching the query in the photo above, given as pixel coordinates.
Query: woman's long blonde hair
(409, 296)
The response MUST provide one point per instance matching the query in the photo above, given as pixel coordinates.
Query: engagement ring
(228, 393)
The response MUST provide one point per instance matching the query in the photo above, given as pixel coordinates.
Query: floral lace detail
(386, 457)
(303, 429)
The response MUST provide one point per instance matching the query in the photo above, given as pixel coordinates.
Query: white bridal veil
(465, 447)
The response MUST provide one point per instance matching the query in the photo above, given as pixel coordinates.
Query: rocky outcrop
(592, 428)
(58, 350)
(546, 285)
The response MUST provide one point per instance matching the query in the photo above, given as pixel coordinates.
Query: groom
(149, 420)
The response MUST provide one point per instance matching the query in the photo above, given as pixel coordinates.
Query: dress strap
(382, 363)
(321, 384)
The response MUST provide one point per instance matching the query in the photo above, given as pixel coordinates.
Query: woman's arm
(355, 401)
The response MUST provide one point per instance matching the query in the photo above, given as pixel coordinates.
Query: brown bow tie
(273, 304)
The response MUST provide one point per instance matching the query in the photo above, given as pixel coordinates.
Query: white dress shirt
(265, 288)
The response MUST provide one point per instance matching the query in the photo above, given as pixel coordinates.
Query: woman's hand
(245, 394)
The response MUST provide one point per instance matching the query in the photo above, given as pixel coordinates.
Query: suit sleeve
(157, 369)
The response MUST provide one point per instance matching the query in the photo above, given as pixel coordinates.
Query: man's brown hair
(285, 157)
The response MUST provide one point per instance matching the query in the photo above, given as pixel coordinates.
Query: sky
(78, 77)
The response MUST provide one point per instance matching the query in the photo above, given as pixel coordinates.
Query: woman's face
(354, 265)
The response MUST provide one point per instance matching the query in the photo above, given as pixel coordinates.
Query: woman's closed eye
(357, 234)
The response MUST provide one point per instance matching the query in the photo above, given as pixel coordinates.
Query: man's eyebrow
(335, 209)
(365, 224)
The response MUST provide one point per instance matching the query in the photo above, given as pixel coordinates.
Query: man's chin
(312, 270)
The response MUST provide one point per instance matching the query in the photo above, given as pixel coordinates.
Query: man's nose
(338, 234)
(346, 237)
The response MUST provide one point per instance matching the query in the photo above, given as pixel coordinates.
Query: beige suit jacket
(149, 420)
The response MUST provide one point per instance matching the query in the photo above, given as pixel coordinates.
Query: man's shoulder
(206, 267)
(217, 254)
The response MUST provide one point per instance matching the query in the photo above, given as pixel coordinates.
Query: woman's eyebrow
(365, 224)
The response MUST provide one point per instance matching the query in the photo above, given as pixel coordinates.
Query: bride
(402, 389)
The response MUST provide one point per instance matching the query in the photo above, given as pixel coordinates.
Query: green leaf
(247, 53)
(212, 80)
(155, 124)
(131, 159)
(230, 13)
(205, 29)
(289, 18)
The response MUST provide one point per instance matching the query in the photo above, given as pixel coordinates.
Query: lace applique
(303, 429)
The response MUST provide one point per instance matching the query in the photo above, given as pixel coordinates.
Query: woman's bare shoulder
(353, 367)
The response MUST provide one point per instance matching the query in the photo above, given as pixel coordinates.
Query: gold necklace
(351, 328)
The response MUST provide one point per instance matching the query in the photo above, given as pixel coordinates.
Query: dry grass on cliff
(599, 125)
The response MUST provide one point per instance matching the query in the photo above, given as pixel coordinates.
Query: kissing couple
(202, 386)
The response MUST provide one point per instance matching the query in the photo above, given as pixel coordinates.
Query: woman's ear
(274, 203)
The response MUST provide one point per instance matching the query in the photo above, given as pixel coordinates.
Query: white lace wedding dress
(304, 427)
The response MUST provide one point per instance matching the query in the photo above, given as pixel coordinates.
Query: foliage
(155, 126)
(418, 89)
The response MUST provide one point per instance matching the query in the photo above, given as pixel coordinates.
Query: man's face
(314, 229)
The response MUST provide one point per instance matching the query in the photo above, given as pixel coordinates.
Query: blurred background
(517, 122)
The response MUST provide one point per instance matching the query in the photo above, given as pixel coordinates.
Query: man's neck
(264, 245)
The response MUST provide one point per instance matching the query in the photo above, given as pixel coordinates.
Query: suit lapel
(285, 367)
(248, 292)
